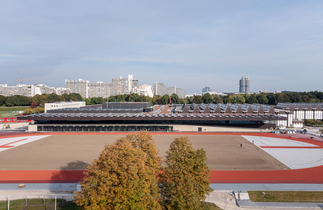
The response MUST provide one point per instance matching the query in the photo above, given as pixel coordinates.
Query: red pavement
(309, 175)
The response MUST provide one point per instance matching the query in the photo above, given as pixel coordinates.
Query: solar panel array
(233, 107)
(296, 105)
(149, 115)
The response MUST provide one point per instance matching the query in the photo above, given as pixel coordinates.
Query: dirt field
(69, 152)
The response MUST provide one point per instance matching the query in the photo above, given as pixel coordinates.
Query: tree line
(129, 175)
(262, 98)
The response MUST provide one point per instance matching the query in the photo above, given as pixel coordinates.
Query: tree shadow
(67, 178)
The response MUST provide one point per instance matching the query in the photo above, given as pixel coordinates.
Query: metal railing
(48, 201)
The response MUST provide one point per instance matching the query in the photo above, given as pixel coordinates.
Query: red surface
(8, 144)
(12, 120)
(308, 175)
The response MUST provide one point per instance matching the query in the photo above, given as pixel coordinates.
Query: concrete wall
(194, 128)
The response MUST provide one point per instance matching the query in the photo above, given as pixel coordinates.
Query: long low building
(138, 116)
(134, 115)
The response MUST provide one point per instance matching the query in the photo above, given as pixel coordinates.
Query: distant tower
(206, 89)
(244, 85)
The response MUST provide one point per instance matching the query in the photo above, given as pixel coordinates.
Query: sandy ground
(67, 152)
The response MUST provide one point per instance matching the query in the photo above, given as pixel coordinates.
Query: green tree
(87, 101)
(75, 97)
(2, 100)
(253, 99)
(238, 99)
(185, 179)
(207, 98)
(53, 97)
(262, 99)
(163, 100)
(217, 99)
(197, 100)
(119, 179)
(175, 98)
(11, 101)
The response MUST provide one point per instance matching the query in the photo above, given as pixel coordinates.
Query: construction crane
(24, 80)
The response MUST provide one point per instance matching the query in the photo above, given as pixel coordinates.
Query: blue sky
(189, 44)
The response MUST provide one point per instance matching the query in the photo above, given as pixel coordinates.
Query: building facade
(99, 89)
(78, 86)
(161, 89)
(244, 85)
(121, 85)
(144, 89)
(31, 90)
(63, 105)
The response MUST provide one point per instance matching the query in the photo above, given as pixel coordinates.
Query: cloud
(208, 43)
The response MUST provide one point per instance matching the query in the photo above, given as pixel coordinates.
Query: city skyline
(276, 44)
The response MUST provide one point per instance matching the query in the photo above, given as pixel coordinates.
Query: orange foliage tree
(123, 177)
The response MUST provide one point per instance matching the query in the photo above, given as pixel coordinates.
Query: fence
(39, 201)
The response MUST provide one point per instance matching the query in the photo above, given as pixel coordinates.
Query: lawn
(11, 111)
(286, 196)
(38, 204)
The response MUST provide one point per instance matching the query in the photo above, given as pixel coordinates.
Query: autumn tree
(185, 179)
(123, 177)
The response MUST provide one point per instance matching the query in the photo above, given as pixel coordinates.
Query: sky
(277, 44)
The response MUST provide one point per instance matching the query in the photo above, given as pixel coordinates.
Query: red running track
(309, 175)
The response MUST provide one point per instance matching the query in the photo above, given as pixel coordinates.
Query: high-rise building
(161, 89)
(244, 85)
(99, 89)
(121, 85)
(206, 89)
(135, 83)
(78, 86)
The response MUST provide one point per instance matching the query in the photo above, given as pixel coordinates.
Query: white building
(99, 89)
(120, 86)
(161, 89)
(78, 86)
(216, 93)
(296, 113)
(62, 105)
(145, 90)
(30, 90)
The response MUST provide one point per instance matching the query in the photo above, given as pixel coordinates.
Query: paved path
(268, 187)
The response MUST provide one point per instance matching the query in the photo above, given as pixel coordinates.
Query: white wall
(62, 105)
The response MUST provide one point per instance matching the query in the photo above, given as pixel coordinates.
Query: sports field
(70, 152)
(232, 158)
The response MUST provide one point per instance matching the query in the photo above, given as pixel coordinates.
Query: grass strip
(13, 108)
(38, 204)
(286, 196)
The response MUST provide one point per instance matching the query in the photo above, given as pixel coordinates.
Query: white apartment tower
(121, 85)
(99, 89)
(78, 86)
